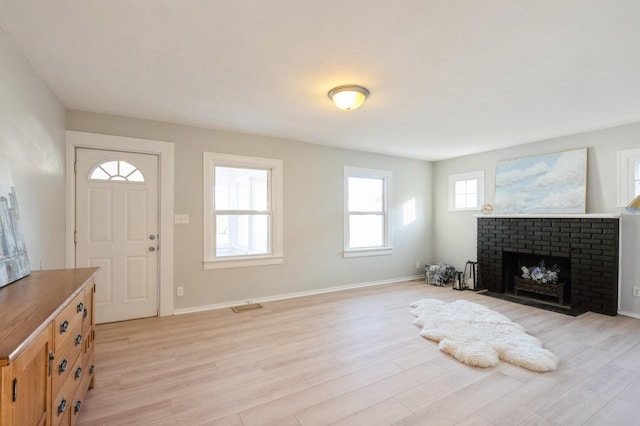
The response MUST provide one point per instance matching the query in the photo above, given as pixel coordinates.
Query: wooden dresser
(47, 331)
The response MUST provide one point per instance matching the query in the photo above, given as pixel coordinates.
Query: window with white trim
(242, 211)
(367, 223)
(466, 191)
(628, 175)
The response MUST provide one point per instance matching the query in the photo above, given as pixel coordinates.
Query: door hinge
(75, 237)
(75, 167)
(15, 389)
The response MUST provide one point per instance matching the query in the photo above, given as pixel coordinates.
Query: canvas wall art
(544, 184)
(14, 263)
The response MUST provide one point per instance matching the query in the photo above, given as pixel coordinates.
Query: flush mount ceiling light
(349, 96)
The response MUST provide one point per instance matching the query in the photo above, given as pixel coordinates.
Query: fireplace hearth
(585, 249)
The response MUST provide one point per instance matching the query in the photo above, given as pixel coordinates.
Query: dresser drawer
(65, 358)
(64, 369)
(89, 361)
(61, 407)
(68, 324)
(84, 381)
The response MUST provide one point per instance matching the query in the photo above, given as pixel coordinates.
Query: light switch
(181, 219)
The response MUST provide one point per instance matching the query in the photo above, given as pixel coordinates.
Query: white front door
(117, 230)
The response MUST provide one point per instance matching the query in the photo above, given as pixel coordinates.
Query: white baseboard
(629, 314)
(203, 308)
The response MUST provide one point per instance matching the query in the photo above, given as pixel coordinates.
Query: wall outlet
(636, 291)
(179, 291)
(417, 265)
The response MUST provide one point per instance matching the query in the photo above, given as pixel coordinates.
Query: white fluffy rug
(478, 336)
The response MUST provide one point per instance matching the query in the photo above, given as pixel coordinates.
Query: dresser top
(28, 305)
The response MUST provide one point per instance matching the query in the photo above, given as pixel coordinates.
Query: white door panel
(116, 229)
(103, 289)
(100, 215)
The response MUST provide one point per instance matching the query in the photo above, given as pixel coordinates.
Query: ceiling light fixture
(349, 96)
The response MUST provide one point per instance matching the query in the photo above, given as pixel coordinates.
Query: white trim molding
(478, 176)
(387, 246)
(275, 210)
(553, 215)
(626, 176)
(165, 152)
(285, 296)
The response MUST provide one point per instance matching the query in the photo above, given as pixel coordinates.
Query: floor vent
(247, 307)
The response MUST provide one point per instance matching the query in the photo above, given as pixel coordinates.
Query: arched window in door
(116, 170)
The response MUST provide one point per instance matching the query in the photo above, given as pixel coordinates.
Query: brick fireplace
(586, 247)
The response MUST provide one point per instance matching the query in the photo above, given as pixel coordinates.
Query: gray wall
(455, 232)
(313, 212)
(32, 137)
(32, 124)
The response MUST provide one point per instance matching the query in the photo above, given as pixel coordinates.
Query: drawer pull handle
(80, 307)
(62, 406)
(63, 366)
(51, 358)
(84, 315)
(78, 339)
(64, 326)
(78, 373)
(92, 369)
(77, 407)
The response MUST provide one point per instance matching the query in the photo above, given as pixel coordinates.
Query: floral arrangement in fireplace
(541, 273)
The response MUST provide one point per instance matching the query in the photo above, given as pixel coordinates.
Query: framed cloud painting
(544, 184)
(14, 263)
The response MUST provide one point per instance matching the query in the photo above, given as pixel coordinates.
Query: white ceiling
(447, 78)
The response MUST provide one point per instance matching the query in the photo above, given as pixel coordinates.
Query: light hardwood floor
(354, 358)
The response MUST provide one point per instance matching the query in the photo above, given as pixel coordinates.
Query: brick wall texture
(591, 244)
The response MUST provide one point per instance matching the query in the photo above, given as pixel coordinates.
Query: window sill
(243, 262)
(382, 251)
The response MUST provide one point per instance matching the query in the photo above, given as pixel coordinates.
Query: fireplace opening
(546, 279)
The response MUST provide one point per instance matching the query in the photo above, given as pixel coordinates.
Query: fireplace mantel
(553, 216)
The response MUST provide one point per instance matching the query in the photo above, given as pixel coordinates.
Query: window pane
(241, 189)
(125, 168)
(472, 186)
(366, 231)
(461, 187)
(637, 171)
(136, 177)
(365, 194)
(637, 190)
(460, 201)
(99, 174)
(111, 167)
(472, 200)
(238, 235)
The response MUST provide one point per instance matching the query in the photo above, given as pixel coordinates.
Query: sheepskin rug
(477, 336)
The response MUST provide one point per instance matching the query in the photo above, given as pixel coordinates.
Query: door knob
(152, 237)
(152, 249)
